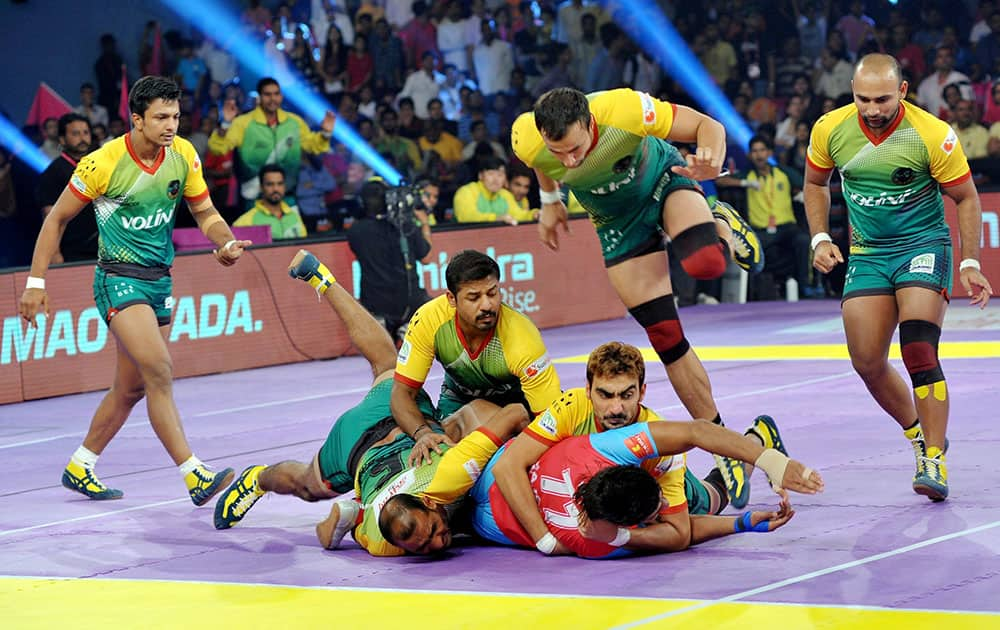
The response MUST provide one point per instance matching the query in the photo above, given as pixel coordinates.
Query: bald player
(895, 159)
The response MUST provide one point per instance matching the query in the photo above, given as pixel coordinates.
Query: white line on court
(89, 517)
(813, 574)
(218, 412)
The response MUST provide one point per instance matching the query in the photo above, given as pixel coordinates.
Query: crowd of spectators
(435, 85)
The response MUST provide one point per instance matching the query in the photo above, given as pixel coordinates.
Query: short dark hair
(266, 81)
(623, 495)
(270, 168)
(87, 86)
(469, 265)
(66, 119)
(758, 138)
(395, 520)
(372, 197)
(559, 109)
(490, 163)
(148, 89)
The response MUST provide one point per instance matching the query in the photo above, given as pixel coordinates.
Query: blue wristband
(742, 525)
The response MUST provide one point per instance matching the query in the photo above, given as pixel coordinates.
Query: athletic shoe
(931, 479)
(236, 501)
(931, 476)
(736, 482)
(308, 268)
(765, 428)
(84, 481)
(202, 483)
(747, 249)
(347, 517)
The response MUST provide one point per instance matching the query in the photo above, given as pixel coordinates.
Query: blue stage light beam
(212, 19)
(648, 27)
(21, 147)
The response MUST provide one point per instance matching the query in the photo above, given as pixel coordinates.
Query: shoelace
(201, 478)
(931, 466)
(246, 500)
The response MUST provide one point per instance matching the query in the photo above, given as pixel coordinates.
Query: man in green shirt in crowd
(271, 209)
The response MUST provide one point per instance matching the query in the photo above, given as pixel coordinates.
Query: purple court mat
(868, 540)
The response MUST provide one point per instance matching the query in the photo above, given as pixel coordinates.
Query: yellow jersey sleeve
(416, 354)
(221, 145)
(818, 152)
(312, 141)
(93, 172)
(525, 139)
(562, 419)
(635, 112)
(528, 359)
(367, 534)
(948, 164)
(461, 466)
(465, 207)
(195, 188)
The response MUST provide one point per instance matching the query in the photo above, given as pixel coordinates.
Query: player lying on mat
(684, 505)
(364, 437)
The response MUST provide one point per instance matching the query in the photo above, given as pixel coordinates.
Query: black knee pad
(659, 317)
(918, 343)
(702, 253)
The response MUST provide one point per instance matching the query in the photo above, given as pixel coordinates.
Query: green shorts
(356, 430)
(883, 273)
(697, 494)
(451, 401)
(114, 293)
(629, 221)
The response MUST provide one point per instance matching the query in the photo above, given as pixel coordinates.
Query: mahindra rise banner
(252, 314)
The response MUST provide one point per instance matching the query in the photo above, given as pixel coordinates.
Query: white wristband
(621, 539)
(822, 237)
(550, 196)
(225, 124)
(968, 263)
(35, 283)
(546, 544)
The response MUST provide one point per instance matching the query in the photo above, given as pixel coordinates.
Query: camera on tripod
(391, 203)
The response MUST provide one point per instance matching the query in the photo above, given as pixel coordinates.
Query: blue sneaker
(747, 251)
(236, 501)
(203, 484)
(931, 479)
(765, 428)
(735, 479)
(308, 268)
(83, 480)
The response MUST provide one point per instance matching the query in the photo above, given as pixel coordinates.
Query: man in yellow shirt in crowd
(487, 199)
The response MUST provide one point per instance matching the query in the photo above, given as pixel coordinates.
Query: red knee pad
(659, 317)
(700, 251)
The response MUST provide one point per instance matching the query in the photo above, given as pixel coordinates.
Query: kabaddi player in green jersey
(895, 160)
(611, 149)
(136, 183)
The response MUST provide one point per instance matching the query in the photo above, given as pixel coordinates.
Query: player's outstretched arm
(679, 437)
(816, 196)
(403, 403)
(227, 248)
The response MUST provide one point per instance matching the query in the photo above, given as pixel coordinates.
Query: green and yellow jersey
(573, 415)
(382, 474)
(135, 203)
(624, 121)
(892, 183)
(512, 361)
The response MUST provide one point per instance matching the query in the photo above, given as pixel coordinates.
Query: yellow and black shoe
(747, 251)
(308, 268)
(84, 481)
(765, 428)
(931, 476)
(236, 501)
(736, 480)
(203, 483)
